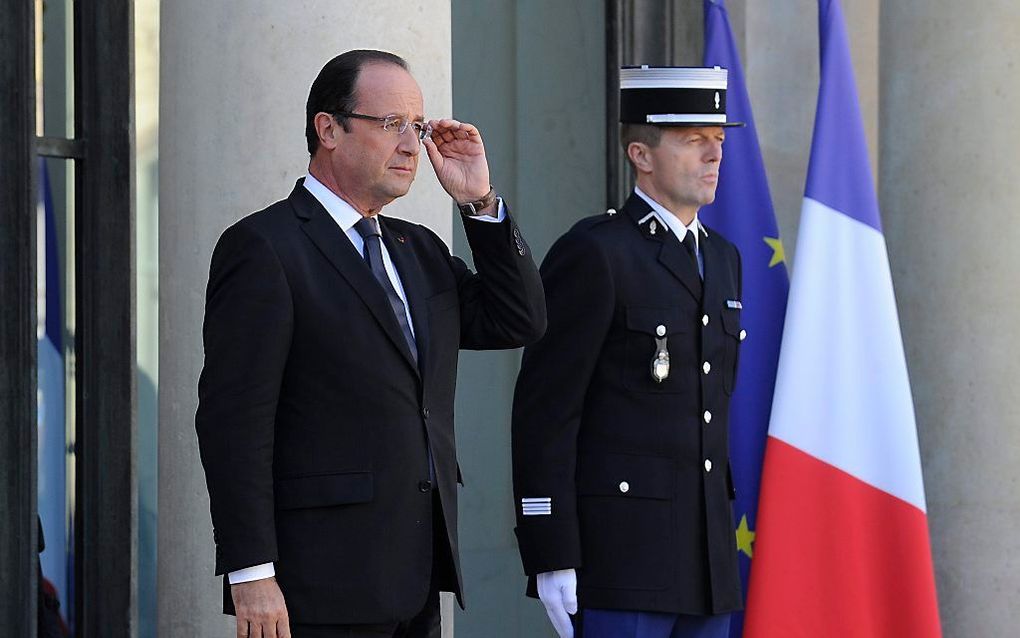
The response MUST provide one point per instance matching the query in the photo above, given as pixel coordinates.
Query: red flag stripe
(835, 556)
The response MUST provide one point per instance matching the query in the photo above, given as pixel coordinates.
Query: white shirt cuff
(258, 572)
(500, 214)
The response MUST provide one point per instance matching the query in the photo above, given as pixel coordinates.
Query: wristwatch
(474, 209)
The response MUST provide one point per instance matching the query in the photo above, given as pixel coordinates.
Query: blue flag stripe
(840, 179)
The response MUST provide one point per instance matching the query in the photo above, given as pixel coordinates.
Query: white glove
(558, 592)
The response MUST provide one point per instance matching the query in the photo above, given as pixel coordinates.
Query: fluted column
(950, 184)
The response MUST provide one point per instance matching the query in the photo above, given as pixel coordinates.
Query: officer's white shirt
(345, 217)
(672, 221)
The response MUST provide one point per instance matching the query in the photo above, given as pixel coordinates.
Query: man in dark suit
(325, 417)
(620, 439)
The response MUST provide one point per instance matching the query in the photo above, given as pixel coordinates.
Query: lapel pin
(652, 227)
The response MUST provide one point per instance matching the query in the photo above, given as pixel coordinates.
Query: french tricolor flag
(842, 545)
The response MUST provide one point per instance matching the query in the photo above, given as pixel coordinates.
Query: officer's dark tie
(368, 228)
(692, 250)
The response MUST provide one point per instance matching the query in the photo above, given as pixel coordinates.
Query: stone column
(234, 80)
(535, 87)
(949, 192)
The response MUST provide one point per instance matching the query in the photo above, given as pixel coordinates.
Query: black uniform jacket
(636, 470)
(313, 416)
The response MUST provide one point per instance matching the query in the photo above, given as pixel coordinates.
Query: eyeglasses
(393, 123)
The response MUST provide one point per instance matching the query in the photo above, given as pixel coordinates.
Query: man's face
(684, 167)
(371, 165)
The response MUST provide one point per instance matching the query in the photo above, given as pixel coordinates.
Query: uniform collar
(671, 221)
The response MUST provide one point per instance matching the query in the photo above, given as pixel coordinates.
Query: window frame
(106, 516)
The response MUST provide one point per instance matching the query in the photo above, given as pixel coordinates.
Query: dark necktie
(692, 249)
(368, 228)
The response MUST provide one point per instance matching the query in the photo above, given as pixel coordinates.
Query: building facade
(112, 109)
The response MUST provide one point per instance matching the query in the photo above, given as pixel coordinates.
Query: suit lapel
(339, 251)
(406, 263)
(672, 254)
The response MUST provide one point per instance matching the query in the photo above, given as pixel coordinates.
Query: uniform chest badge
(660, 363)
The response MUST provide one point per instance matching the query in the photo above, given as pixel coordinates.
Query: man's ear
(639, 156)
(328, 130)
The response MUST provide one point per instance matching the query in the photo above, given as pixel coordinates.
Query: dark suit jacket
(312, 415)
(622, 456)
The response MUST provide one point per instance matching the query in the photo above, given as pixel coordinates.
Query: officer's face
(684, 167)
(371, 165)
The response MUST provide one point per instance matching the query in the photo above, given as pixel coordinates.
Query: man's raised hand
(458, 157)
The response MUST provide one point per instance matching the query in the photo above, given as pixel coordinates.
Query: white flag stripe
(842, 390)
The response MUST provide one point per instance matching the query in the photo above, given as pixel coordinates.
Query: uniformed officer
(620, 436)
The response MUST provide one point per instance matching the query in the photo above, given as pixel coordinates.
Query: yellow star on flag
(745, 538)
(778, 253)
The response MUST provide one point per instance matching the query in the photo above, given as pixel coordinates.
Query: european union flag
(743, 213)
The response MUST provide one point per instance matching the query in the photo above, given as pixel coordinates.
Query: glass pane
(147, 298)
(55, 333)
(54, 57)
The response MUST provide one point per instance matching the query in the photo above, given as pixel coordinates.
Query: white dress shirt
(345, 217)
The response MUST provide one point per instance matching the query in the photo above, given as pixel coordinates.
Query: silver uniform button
(706, 367)
(708, 465)
(624, 487)
(743, 335)
(708, 416)
(661, 330)
(704, 320)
